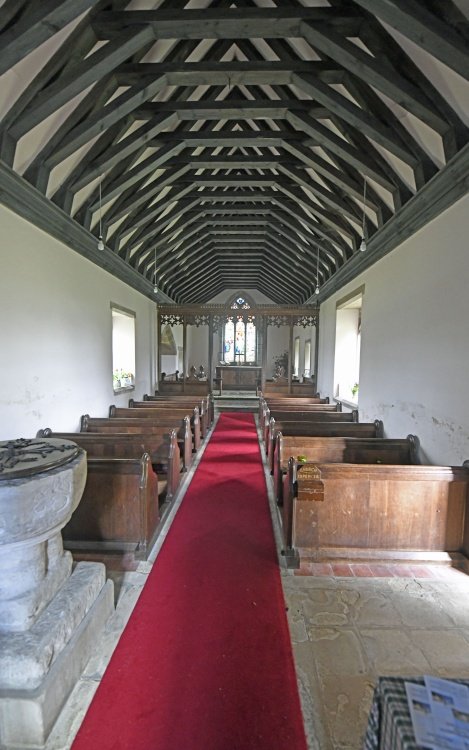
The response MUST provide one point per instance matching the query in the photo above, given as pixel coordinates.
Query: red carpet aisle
(205, 661)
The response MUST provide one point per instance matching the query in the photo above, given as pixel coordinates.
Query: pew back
(162, 417)
(118, 511)
(340, 450)
(376, 511)
(205, 406)
(179, 387)
(319, 429)
(165, 451)
(123, 445)
(282, 387)
(319, 414)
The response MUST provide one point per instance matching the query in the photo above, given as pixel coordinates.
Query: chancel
(234, 274)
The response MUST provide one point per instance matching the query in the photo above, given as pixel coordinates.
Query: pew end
(118, 514)
(376, 513)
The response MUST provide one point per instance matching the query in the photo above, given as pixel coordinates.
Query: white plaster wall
(278, 341)
(55, 337)
(415, 339)
(197, 347)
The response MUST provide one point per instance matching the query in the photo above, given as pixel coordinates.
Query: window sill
(348, 404)
(124, 389)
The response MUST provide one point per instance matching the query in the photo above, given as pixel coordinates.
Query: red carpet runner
(205, 661)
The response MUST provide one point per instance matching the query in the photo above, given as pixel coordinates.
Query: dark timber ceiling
(231, 141)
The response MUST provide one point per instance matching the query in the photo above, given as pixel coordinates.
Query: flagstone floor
(346, 631)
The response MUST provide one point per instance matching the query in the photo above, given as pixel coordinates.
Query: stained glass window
(229, 350)
(239, 336)
(250, 342)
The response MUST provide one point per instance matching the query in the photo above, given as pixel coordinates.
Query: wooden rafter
(232, 143)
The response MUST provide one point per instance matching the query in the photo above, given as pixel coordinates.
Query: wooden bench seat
(169, 407)
(284, 403)
(205, 406)
(130, 445)
(165, 418)
(311, 415)
(160, 442)
(181, 387)
(313, 428)
(363, 512)
(119, 510)
(282, 387)
(352, 450)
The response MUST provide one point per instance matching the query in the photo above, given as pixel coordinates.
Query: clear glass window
(123, 348)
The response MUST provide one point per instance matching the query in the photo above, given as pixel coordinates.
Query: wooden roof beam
(85, 73)
(374, 73)
(40, 22)
(416, 22)
(232, 23)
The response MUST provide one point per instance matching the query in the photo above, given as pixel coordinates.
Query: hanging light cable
(363, 242)
(155, 288)
(100, 238)
(316, 291)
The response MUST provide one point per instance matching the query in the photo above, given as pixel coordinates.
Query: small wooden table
(238, 377)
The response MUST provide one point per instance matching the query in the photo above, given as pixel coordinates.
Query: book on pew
(439, 710)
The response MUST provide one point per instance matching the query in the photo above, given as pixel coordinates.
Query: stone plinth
(49, 617)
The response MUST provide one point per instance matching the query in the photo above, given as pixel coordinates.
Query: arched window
(240, 334)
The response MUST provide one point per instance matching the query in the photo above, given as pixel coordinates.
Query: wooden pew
(302, 417)
(297, 389)
(187, 388)
(350, 450)
(205, 406)
(123, 445)
(294, 401)
(177, 402)
(165, 418)
(313, 428)
(316, 399)
(164, 450)
(319, 414)
(118, 512)
(363, 512)
(266, 412)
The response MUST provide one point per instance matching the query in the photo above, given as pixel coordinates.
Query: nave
(346, 630)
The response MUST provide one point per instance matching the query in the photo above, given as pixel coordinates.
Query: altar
(238, 377)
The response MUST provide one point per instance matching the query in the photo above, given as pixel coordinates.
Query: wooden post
(316, 352)
(264, 329)
(158, 368)
(184, 352)
(210, 352)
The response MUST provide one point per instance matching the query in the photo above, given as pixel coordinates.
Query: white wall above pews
(414, 339)
(55, 337)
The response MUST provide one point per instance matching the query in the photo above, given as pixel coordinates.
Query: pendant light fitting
(100, 238)
(316, 291)
(363, 242)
